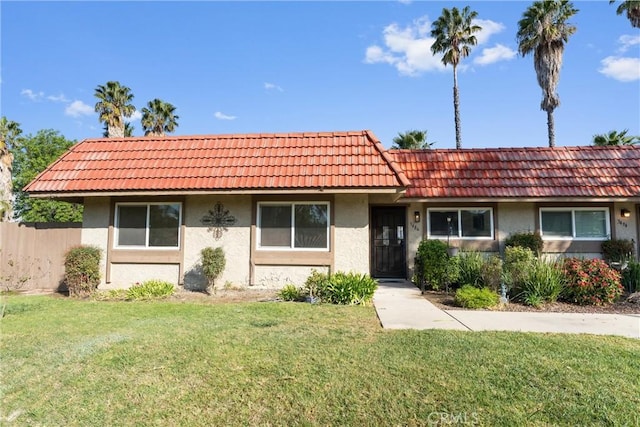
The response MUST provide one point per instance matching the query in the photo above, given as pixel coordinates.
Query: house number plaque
(218, 220)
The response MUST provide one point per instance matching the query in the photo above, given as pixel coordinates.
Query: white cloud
(78, 108)
(58, 98)
(497, 53)
(221, 116)
(489, 28)
(137, 115)
(621, 68)
(627, 41)
(272, 86)
(34, 96)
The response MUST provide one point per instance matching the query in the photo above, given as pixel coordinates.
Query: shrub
(433, 266)
(213, 262)
(150, 289)
(470, 296)
(528, 240)
(470, 268)
(617, 250)
(631, 277)
(543, 282)
(82, 270)
(517, 263)
(316, 284)
(591, 282)
(341, 288)
(291, 293)
(491, 273)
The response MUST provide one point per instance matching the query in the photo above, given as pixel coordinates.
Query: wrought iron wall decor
(218, 220)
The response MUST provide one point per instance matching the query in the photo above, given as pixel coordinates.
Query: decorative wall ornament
(218, 220)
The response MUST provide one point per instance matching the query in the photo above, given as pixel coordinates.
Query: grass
(69, 362)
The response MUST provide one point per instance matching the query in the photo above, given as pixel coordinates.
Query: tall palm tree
(544, 30)
(412, 140)
(159, 117)
(128, 130)
(632, 9)
(113, 107)
(9, 131)
(453, 33)
(615, 138)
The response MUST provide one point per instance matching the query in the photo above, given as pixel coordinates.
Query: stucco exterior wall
(626, 228)
(351, 233)
(125, 275)
(95, 228)
(517, 217)
(414, 234)
(275, 277)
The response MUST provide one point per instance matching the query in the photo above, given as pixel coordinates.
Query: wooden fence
(32, 254)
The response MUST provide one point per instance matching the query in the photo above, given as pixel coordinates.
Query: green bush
(544, 282)
(529, 240)
(491, 273)
(591, 282)
(470, 296)
(341, 288)
(517, 263)
(150, 289)
(433, 266)
(82, 270)
(617, 250)
(213, 262)
(316, 284)
(291, 293)
(631, 277)
(470, 268)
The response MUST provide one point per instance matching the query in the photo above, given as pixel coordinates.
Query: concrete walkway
(400, 305)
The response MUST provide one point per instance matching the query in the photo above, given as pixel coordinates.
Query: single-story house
(281, 205)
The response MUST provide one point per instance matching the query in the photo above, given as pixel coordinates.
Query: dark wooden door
(388, 234)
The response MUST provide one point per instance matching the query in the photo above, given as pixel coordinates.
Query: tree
(615, 138)
(159, 117)
(113, 107)
(32, 155)
(9, 132)
(632, 9)
(412, 140)
(544, 30)
(453, 33)
(128, 130)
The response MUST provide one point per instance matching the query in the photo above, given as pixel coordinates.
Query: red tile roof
(587, 172)
(254, 162)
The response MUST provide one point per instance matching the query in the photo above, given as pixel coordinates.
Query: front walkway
(400, 305)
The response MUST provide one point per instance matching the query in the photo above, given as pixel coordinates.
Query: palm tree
(453, 33)
(9, 131)
(632, 8)
(411, 140)
(113, 106)
(128, 130)
(544, 30)
(159, 117)
(615, 138)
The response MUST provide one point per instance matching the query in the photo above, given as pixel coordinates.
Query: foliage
(9, 133)
(32, 155)
(316, 283)
(113, 106)
(531, 240)
(213, 263)
(544, 30)
(150, 289)
(291, 293)
(617, 250)
(341, 288)
(453, 33)
(491, 273)
(82, 270)
(615, 138)
(591, 282)
(632, 10)
(517, 263)
(543, 282)
(631, 277)
(470, 268)
(412, 140)
(470, 296)
(158, 118)
(434, 267)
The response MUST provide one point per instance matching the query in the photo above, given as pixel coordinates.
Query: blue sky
(251, 67)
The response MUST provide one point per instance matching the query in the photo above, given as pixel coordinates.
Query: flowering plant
(591, 282)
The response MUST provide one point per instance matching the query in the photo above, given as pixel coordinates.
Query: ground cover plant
(176, 363)
(470, 296)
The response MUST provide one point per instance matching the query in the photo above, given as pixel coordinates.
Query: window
(575, 223)
(465, 223)
(152, 225)
(293, 226)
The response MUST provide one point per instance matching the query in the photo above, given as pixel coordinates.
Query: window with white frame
(148, 225)
(575, 223)
(301, 225)
(460, 223)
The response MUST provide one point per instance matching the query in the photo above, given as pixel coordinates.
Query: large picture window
(460, 223)
(293, 226)
(575, 223)
(150, 225)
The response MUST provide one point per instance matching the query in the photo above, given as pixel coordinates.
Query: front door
(388, 253)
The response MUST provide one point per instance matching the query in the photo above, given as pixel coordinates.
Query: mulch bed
(445, 302)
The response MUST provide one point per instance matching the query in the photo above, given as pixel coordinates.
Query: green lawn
(67, 362)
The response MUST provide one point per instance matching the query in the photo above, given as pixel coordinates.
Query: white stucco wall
(125, 275)
(351, 233)
(414, 234)
(625, 228)
(516, 217)
(275, 277)
(95, 227)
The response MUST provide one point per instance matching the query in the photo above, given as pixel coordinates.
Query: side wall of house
(95, 228)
